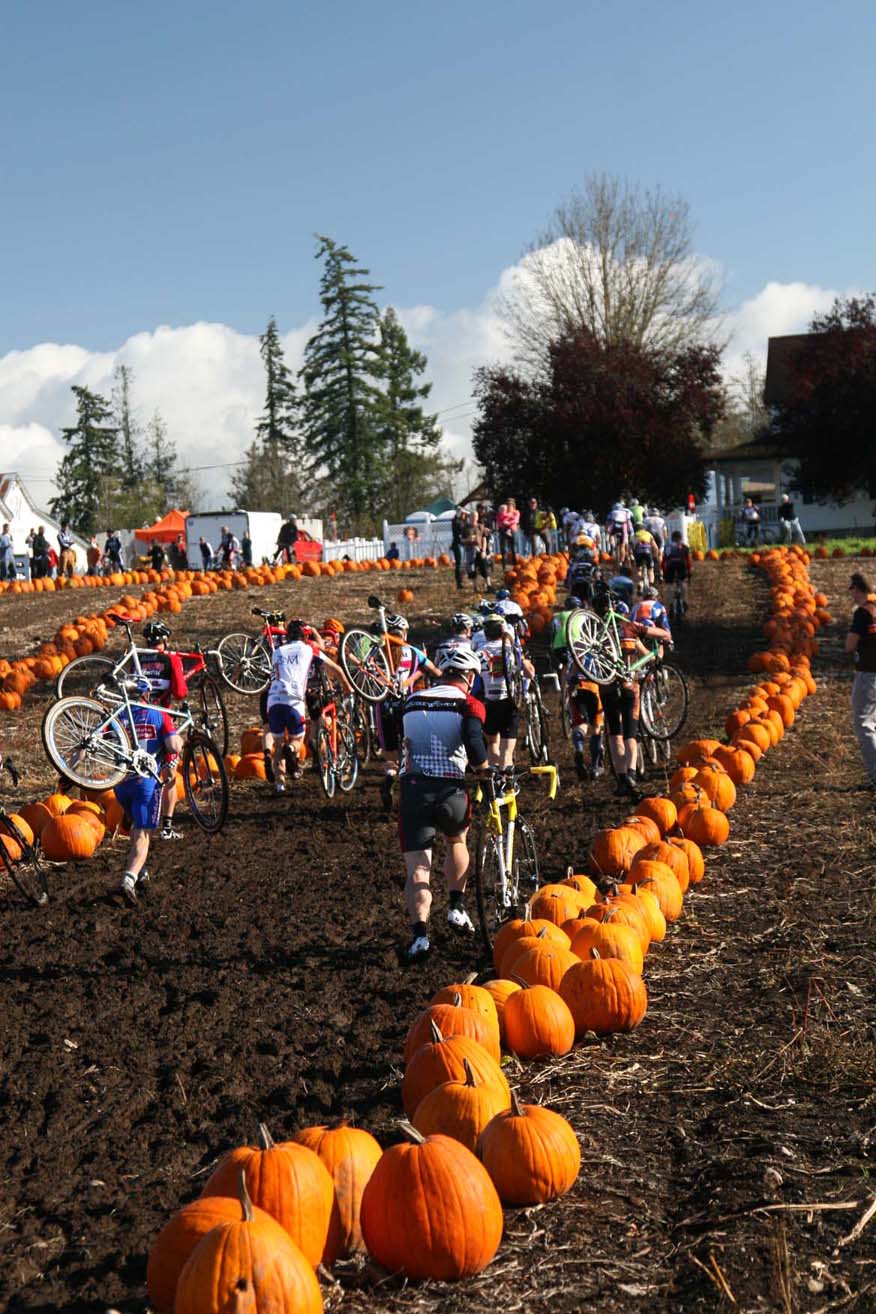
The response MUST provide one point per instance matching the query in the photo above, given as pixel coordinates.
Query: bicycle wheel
(592, 648)
(492, 911)
(526, 878)
(244, 663)
(205, 783)
(664, 701)
(86, 743)
(347, 765)
(210, 714)
(361, 731)
(536, 726)
(565, 709)
(326, 759)
(365, 665)
(20, 861)
(81, 677)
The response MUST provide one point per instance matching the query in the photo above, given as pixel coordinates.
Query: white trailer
(264, 526)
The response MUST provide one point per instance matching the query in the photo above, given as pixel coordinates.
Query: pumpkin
(350, 1156)
(538, 1023)
(247, 1265)
(696, 751)
(57, 804)
(454, 1020)
(717, 786)
(757, 732)
(460, 1109)
(442, 1059)
(531, 1153)
(613, 851)
(708, 827)
(22, 827)
(554, 906)
(621, 913)
(405, 595)
(659, 878)
(678, 778)
(178, 1238)
(251, 767)
(647, 825)
(37, 815)
(613, 940)
(68, 838)
(521, 945)
(670, 857)
(542, 965)
(738, 764)
(648, 905)
(695, 862)
(431, 1210)
(586, 887)
(604, 995)
(289, 1182)
(662, 811)
(471, 996)
(518, 927)
(501, 989)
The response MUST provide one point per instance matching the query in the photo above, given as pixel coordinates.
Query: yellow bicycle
(505, 853)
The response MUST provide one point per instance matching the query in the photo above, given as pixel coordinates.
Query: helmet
(487, 608)
(509, 609)
(459, 661)
(634, 501)
(460, 621)
(332, 625)
(494, 627)
(650, 592)
(396, 624)
(502, 594)
(156, 632)
(621, 608)
(572, 602)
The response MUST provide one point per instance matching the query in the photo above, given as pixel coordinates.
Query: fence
(355, 549)
(432, 538)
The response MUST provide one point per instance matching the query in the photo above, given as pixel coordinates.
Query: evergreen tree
(342, 401)
(268, 480)
(409, 436)
(87, 465)
(130, 457)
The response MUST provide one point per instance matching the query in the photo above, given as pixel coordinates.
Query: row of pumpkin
(431, 1206)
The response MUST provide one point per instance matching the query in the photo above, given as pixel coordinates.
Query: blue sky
(168, 164)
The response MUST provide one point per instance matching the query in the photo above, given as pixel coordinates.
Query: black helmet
(155, 632)
(494, 627)
(396, 624)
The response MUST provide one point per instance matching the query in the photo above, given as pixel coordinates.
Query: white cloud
(207, 379)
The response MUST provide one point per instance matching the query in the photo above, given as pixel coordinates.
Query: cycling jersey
(651, 611)
(443, 731)
(559, 630)
(499, 665)
(643, 543)
(148, 727)
(164, 671)
(290, 668)
(407, 665)
(676, 562)
(637, 515)
(656, 525)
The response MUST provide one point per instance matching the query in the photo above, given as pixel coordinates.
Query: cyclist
(461, 629)
(637, 514)
(590, 526)
(153, 731)
(287, 698)
(581, 575)
(411, 663)
(677, 565)
(646, 555)
(620, 702)
(623, 585)
(617, 527)
(500, 661)
(656, 526)
(587, 722)
(651, 613)
(559, 632)
(167, 682)
(443, 733)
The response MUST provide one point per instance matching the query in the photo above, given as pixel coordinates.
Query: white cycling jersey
(498, 667)
(290, 668)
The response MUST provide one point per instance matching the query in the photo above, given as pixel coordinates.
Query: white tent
(19, 508)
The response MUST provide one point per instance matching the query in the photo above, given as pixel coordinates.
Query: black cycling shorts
(428, 806)
(619, 705)
(675, 570)
(586, 708)
(389, 724)
(501, 718)
(263, 704)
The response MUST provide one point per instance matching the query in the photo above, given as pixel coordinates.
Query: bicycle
(245, 659)
(505, 854)
(364, 726)
(336, 751)
(19, 858)
(369, 659)
(84, 675)
(677, 605)
(536, 721)
(91, 747)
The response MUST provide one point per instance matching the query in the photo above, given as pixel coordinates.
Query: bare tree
(617, 260)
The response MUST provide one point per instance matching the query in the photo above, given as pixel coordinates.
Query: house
(20, 508)
(760, 470)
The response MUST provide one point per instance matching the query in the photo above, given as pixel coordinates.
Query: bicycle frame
(139, 762)
(506, 801)
(610, 627)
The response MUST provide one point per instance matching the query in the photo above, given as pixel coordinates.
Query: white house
(19, 508)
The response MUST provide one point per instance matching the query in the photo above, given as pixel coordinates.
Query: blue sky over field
(165, 169)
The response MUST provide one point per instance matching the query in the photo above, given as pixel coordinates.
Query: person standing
(507, 522)
(529, 525)
(458, 531)
(40, 549)
(751, 520)
(286, 540)
(156, 554)
(229, 549)
(92, 556)
(7, 554)
(246, 548)
(861, 641)
(113, 550)
(67, 558)
(789, 523)
(206, 550)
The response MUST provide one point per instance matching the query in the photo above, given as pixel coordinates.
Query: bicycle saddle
(374, 602)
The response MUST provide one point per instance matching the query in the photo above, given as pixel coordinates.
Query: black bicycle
(19, 858)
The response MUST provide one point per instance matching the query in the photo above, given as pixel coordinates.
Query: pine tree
(165, 484)
(268, 480)
(131, 460)
(342, 401)
(411, 437)
(87, 467)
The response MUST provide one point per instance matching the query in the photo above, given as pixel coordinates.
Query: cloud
(207, 379)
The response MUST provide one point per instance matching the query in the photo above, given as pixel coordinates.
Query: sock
(456, 899)
(578, 740)
(167, 823)
(130, 876)
(596, 750)
(420, 928)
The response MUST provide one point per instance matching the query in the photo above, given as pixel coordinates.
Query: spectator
(67, 559)
(40, 550)
(206, 553)
(113, 550)
(861, 640)
(411, 534)
(7, 554)
(487, 519)
(528, 525)
(52, 563)
(179, 557)
(507, 521)
(458, 531)
(157, 554)
(751, 521)
(392, 552)
(246, 548)
(92, 556)
(286, 540)
(546, 524)
(789, 524)
(229, 549)
(483, 556)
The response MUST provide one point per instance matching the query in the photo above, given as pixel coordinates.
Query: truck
(263, 526)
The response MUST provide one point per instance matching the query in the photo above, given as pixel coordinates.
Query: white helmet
(458, 661)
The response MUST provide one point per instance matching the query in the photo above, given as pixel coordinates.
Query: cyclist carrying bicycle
(501, 659)
(411, 665)
(443, 734)
(287, 700)
(650, 612)
(461, 630)
(646, 555)
(164, 671)
(560, 632)
(152, 731)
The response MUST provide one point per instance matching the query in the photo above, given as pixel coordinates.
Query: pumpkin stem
(266, 1140)
(456, 999)
(524, 985)
(245, 1201)
(540, 935)
(435, 1031)
(471, 978)
(515, 1105)
(469, 1075)
(570, 871)
(594, 953)
(411, 1132)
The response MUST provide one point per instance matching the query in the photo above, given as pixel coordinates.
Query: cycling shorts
(586, 708)
(643, 555)
(501, 718)
(141, 800)
(619, 704)
(428, 806)
(389, 724)
(263, 705)
(675, 570)
(285, 719)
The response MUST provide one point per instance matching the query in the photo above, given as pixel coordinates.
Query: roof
(164, 530)
(440, 505)
(758, 449)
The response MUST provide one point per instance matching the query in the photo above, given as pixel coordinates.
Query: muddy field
(728, 1145)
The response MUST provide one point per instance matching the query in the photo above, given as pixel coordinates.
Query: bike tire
(361, 732)
(526, 874)
(487, 884)
(25, 870)
(244, 663)
(205, 782)
(82, 676)
(591, 648)
(67, 726)
(662, 718)
(365, 665)
(325, 758)
(347, 769)
(212, 714)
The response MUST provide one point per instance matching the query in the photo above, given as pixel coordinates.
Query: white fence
(432, 538)
(356, 549)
